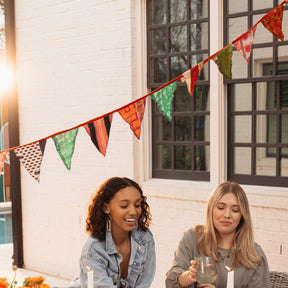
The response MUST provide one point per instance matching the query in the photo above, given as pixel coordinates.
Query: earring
(108, 224)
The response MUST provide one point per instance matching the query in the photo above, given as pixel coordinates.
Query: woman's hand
(188, 277)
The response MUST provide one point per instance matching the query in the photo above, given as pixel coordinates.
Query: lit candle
(90, 278)
(230, 279)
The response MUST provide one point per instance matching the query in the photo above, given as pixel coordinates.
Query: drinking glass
(206, 270)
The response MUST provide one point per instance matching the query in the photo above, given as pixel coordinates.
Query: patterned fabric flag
(224, 61)
(65, 145)
(191, 77)
(273, 22)
(133, 115)
(2, 159)
(31, 157)
(99, 131)
(164, 99)
(244, 44)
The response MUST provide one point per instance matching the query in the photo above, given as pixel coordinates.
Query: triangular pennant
(133, 115)
(99, 131)
(65, 145)
(273, 22)
(164, 99)
(2, 159)
(224, 61)
(31, 157)
(243, 45)
(191, 77)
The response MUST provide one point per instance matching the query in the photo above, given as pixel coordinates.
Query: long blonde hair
(245, 253)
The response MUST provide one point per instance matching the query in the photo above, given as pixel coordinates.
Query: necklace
(224, 256)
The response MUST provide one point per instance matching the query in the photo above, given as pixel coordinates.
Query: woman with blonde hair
(228, 238)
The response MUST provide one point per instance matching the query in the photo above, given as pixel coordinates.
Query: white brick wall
(78, 60)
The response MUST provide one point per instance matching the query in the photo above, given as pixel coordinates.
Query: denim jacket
(103, 258)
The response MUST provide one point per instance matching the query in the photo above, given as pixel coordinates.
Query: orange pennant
(133, 115)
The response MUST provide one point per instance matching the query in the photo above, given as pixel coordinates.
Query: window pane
(158, 41)
(202, 132)
(242, 128)
(242, 97)
(258, 65)
(183, 156)
(199, 9)
(163, 129)
(178, 10)
(239, 66)
(158, 69)
(201, 98)
(182, 128)
(178, 66)
(199, 36)
(156, 11)
(236, 6)
(242, 160)
(182, 99)
(284, 162)
(262, 4)
(163, 160)
(178, 41)
(202, 158)
(284, 129)
(266, 96)
(265, 165)
(266, 129)
(237, 26)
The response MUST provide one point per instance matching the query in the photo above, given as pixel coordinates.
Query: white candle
(230, 279)
(90, 278)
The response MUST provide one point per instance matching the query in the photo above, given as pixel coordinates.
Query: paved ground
(6, 252)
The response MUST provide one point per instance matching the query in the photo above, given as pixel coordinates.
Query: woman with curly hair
(120, 249)
(228, 238)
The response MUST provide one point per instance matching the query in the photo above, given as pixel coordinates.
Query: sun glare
(6, 78)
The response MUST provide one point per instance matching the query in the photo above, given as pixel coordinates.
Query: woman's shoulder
(92, 243)
(259, 250)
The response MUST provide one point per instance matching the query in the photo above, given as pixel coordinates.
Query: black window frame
(172, 173)
(253, 178)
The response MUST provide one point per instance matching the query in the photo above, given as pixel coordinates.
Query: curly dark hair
(96, 218)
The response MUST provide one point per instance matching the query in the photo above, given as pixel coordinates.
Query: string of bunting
(98, 129)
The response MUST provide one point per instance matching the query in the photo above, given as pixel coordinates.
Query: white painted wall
(78, 60)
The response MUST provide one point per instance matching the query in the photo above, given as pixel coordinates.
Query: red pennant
(191, 77)
(273, 22)
(99, 131)
(244, 43)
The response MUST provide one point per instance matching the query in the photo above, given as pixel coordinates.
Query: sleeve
(149, 267)
(260, 278)
(182, 257)
(100, 276)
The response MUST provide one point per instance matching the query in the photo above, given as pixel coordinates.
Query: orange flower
(3, 283)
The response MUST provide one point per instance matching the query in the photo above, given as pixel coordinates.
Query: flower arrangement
(29, 282)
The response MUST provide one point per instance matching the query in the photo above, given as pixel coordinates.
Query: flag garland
(31, 155)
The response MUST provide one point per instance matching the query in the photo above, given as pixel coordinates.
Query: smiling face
(227, 214)
(124, 209)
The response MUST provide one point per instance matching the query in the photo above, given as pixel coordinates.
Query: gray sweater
(243, 277)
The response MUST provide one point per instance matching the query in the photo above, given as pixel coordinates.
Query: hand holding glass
(206, 270)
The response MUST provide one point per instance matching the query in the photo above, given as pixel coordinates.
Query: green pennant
(65, 144)
(224, 61)
(164, 99)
